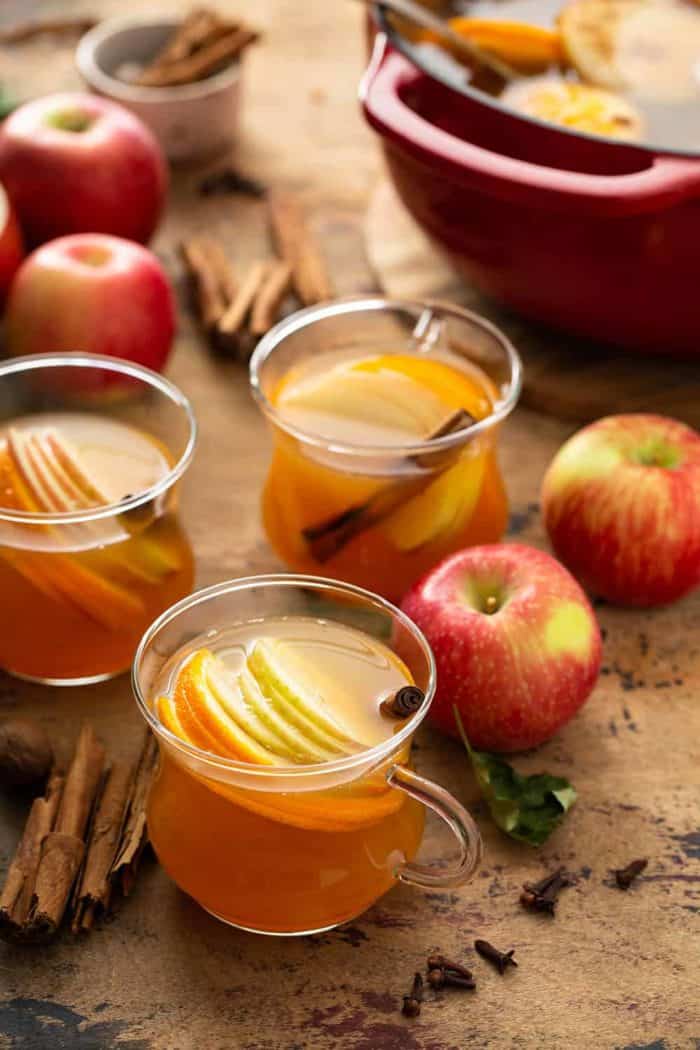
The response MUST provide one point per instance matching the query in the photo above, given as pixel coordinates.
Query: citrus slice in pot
(648, 47)
(580, 107)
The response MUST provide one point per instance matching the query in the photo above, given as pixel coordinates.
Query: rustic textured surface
(612, 970)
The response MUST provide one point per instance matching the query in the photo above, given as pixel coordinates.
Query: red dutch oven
(589, 235)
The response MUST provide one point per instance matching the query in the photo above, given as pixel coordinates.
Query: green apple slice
(287, 679)
(382, 398)
(301, 747)
(229, 693)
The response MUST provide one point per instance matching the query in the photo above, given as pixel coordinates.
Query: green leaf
(526, 808)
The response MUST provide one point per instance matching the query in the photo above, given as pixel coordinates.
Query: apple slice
(194, 696)
(269, 710)
(249, 715)
(439, 510)
(285, 677)
(66, 486)
(381, 397)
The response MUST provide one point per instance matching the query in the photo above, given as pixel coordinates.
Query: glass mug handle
(457, 819)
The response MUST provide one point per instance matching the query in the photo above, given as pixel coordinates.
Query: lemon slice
(648, 47)
(577, 106)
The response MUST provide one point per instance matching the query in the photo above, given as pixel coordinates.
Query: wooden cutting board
(565, 377)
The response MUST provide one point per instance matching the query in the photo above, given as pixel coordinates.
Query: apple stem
(491, 604)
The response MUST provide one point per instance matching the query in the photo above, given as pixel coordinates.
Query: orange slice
(577, 106)
(528, 48)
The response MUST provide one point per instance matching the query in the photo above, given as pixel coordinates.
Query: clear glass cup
(379, 516)
(80, 583)
(293, 849)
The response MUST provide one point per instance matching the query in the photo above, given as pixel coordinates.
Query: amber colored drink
(385, 417)
(287, 691)
(78, 594)
(381, 521)
(285, 801)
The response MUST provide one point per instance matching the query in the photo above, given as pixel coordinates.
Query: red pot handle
(666, 181)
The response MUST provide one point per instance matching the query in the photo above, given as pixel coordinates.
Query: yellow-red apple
(621, 502)
(75, 163)
(93, 293)
(10, 245)
(516, 644)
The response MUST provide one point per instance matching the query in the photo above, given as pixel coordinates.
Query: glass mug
(81, 576)
(381, 516)
(293, 849)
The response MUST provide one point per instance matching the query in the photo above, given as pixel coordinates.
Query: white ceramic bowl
(190, 121)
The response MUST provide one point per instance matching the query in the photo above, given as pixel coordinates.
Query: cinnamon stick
(21, 31)
(93, 891)
(328, 538)
(201, 63)
(270, 297)
(212, 277)
(63, 847)
(297, 245)
(16, 896)
(196, 29)
(233, 320)
(134, 835)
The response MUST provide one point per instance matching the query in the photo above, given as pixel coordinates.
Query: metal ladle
(429, 20)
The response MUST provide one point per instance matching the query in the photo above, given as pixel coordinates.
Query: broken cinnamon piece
(134, 835)
(202, 63)
(22, 31)
(221, 266)
(329, 537)
(269, 298)
(208, 300)
(297, 245)
(92, 894)
(16, 896)
(230, 325)
(212, 277)
(63, 847)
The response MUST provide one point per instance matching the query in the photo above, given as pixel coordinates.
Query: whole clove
(501, 960)
(412, 1001)
(444, 973)
(227, 180)
(542, 896)
(624, 877)
(440, 978)
(403, 703)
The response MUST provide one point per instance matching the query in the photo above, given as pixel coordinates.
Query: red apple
(79, 163)
(10, 245)
(516, 644)
(621, 503)
(93, 293)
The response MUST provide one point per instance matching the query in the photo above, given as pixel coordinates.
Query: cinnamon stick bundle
(134, 837)
(201, 45)
(93, 890)
(63, 847)
(297, 245)
(86, 834)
